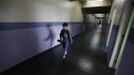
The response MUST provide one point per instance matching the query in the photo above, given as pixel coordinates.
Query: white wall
(39, 11)
(117, 5)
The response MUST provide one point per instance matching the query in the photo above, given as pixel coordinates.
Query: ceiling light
(90, 1)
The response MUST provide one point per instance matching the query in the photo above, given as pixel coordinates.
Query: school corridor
(102, 33)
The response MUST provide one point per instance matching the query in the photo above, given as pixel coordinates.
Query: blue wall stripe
(131, 36)
(22, 25)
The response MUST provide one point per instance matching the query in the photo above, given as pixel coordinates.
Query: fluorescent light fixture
(90, 1)
(99, 15)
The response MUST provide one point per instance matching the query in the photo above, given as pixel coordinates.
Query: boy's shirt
(65, 34)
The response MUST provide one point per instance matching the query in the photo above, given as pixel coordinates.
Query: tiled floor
(86, 57)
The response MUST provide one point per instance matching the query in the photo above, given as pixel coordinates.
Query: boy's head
(65, 25)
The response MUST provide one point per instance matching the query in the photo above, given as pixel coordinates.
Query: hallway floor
(86, 57)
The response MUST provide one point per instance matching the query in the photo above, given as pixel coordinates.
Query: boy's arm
(69, 37)
(61, 35)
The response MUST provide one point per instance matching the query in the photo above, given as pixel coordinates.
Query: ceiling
(102, 6)
(93, 10)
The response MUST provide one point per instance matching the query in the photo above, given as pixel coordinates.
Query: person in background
(65, 38)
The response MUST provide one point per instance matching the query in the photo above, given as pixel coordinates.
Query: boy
(65, 38)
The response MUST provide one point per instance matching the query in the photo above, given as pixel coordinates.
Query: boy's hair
(65, 24)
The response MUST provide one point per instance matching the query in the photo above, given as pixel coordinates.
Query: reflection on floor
(86, 57)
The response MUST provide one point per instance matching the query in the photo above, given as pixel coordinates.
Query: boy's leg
(65, 46)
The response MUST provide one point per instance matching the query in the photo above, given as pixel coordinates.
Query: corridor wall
(118, 7)
(30, 27)
(125, 62)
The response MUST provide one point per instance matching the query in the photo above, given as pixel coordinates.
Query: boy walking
(65, 38)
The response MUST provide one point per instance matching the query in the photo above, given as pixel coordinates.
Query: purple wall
(21, 41)
(126, 66)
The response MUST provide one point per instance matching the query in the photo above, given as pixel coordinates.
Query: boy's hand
(61, 39)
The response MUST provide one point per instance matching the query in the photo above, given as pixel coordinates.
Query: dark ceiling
(93, 10)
